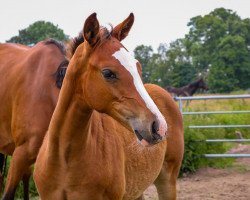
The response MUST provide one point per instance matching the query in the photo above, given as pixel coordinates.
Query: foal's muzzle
(149, 136)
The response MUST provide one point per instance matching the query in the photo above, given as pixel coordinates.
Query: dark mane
(73, 44)
(62, 68)
(195, 82)
(58, 44)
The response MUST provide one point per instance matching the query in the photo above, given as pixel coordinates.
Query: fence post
(180, 105)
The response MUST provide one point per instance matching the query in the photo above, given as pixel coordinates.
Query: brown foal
(107, 135)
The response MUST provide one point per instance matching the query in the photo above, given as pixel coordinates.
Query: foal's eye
(108, 74)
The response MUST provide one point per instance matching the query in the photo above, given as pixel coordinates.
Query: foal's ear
(91, 30)
(121, 30)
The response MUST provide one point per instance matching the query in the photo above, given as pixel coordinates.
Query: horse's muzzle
(149, 136)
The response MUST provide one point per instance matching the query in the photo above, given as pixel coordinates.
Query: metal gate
(180, 101)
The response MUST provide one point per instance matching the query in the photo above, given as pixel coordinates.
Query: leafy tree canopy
(38, 31)
(219, 42)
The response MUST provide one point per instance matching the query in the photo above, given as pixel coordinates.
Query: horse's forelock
(105, 33)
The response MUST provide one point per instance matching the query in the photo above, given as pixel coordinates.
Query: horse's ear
(91, 30)
(121, 30)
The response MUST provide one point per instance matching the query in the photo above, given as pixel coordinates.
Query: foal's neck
(69, 124)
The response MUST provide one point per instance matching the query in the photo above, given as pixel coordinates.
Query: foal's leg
(166, 181)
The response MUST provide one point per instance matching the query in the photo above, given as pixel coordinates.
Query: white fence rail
(180, 101)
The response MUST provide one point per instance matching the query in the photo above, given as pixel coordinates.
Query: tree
(219, 43)
(144, 55)
(38, 31)
(231, 66)
(178, 69)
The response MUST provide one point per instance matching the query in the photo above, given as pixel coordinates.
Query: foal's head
(112, 84)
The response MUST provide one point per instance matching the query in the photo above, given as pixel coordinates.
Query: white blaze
(129, 62)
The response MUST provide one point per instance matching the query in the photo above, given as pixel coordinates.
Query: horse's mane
(195, 82)
(58, 44)
(61, 70)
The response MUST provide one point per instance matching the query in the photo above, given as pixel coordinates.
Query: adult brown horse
(90, 149)
(29, 88)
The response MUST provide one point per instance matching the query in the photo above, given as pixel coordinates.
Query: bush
(194, 148)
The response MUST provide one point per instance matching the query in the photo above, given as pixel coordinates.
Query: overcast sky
(156, 21)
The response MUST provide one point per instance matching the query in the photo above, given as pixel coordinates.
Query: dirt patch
(215, 184)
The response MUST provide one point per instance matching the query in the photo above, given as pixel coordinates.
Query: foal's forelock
(129, 63)
(105, 33)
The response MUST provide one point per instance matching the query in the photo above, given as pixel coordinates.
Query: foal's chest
(142, 168)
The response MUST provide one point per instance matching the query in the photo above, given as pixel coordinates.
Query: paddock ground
(215, 184)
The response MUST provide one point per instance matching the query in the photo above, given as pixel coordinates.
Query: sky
(156, 21)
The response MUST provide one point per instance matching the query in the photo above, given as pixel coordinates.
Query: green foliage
(169, 66)
(144, 54)
(178, 66)
(219, 43)
(217, 47)
(194, 148)
(38, 31)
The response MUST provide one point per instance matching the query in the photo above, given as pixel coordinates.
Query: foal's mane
(73, 44)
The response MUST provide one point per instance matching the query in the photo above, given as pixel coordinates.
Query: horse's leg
(1, 182)
(26, 178)
(22, 158)
(2, 164)
(166, 181)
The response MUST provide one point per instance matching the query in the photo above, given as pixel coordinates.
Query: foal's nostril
(155, 136)
(155, 127)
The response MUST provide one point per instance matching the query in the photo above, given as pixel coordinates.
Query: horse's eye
(108, 74)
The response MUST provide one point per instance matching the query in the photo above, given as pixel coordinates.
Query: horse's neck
(68, 128)
(192, 89)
